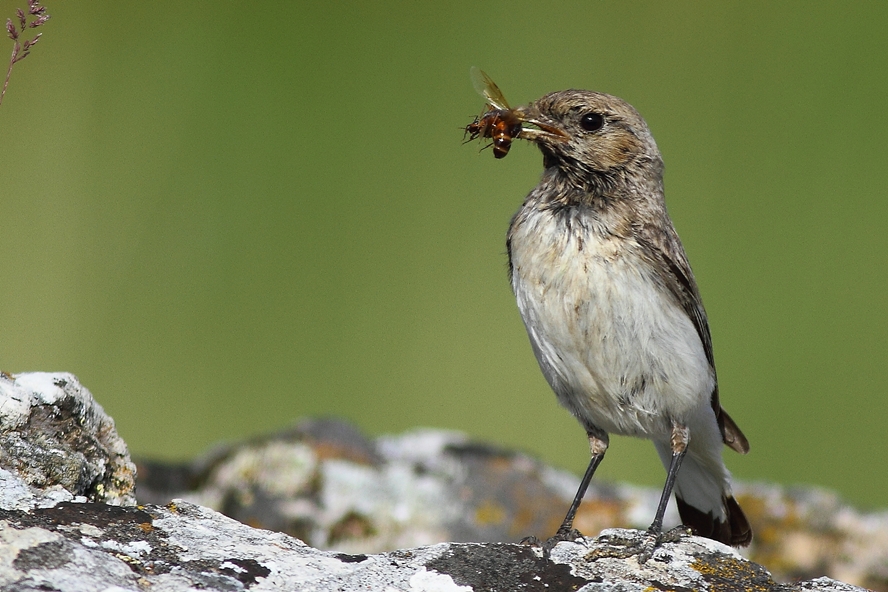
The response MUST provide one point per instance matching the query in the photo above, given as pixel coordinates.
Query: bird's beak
(547, 131)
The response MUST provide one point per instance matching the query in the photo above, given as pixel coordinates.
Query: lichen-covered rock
(65, 524)
(331, 486)
(84, 547)
(57, 444)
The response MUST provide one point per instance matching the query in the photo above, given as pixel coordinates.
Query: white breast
(616, 348)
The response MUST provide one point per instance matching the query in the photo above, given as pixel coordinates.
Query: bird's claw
(563, 534)
(642, 547)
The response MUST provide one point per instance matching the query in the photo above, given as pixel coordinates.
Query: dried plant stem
(21, 50)
(12, 60)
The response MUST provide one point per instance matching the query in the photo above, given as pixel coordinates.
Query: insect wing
(488, 89)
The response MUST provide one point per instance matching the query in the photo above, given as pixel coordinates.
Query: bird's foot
(563, 534)
(640, 545)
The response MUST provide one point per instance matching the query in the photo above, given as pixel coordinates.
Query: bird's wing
(671, 264)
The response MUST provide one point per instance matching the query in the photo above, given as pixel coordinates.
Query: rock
(67, 523)
(75, 547)
(329, 485)
(57, 444)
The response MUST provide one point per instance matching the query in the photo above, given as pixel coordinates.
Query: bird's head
(591, 136)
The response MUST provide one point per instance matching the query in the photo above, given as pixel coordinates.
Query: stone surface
(329, 485)
(67, 523)
(57, 444)
(76, 547)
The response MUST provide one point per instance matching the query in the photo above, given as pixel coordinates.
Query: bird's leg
(597, 447)
(681, 437)
(655, 536)
(598, 442)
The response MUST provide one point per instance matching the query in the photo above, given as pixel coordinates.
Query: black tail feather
(734, 531)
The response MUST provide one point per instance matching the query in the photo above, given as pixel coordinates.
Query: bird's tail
(732, 530)
(704, 498)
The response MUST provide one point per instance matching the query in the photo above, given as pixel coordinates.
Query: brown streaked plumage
(612, 308)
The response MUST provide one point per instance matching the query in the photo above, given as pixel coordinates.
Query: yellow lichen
(731, 573)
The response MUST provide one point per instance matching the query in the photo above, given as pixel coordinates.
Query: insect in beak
(546, 132)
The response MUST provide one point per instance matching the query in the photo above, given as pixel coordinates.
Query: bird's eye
(591, 122)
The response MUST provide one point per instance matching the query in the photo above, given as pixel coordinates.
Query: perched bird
(612, 309)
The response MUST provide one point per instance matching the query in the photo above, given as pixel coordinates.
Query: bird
(613, 311)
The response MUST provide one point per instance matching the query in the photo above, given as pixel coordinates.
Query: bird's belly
(613, 343)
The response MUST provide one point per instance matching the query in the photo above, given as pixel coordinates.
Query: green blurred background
(225, 216)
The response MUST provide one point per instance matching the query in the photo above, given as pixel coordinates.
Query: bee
(499, 122)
